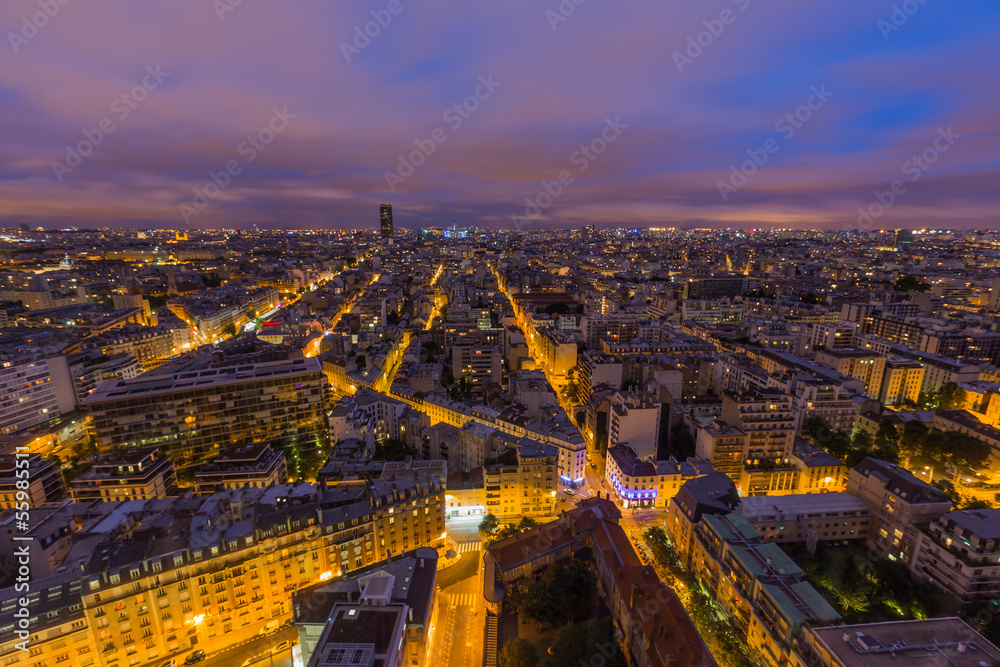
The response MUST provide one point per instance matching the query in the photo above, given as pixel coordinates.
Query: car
(169, 663)
(281, 646)
(593, 466)
(588, 457)
(195, 657)
(569, 491)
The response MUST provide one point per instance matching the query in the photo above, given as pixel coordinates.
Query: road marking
(469, 547)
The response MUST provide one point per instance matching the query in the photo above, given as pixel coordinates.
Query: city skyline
(315, 124)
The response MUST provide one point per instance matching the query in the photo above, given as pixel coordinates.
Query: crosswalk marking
(464, 599)
(469, 547)
(491, 641)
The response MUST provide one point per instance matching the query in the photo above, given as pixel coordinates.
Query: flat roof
(774, 508)
(915, 642)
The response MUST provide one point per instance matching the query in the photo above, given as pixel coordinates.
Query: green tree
(952, 397)
(518, 653)
(488, 526)
(861, 446)
(229, 329)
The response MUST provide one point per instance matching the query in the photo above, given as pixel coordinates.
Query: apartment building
(767, 418)
(960, 553)
(808, 518)
(635, 421)
(901, 506)
(951, 641)
(195, 414)
(523, 483)
(381, 614)
(612, 329)
(901, 381)
(479, 365)
(150, 346)
(832, 335)
(126, 474)
(44, 480)
(829, 401)
(723, 445)
(160, 578)
(654, 629)
(859, 364)
(35, 385)
(596, 368)
(753, 580)
(255, 465)
(648, 483)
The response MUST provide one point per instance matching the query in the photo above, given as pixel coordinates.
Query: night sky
(642, 108)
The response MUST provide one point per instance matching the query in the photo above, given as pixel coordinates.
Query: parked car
(195, 657)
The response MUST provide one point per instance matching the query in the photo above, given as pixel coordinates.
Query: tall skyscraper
(385, 214)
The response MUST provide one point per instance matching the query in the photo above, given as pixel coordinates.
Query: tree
(948, 489)
(488, 526)
(229, 329)
(886, 442)
(589, 643)
(361, 361)
(952, 397)
(912, 438)
(561, 308)
(518, 653)
(861, 447)
(910, 283)
(561, 593)
(970, 503)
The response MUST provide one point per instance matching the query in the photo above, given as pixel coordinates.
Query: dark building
(385, 215)
(718, 287)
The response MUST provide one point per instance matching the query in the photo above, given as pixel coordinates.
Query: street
(457, 640)
(257, 650)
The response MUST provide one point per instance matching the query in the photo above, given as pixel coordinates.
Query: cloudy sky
(665, 112)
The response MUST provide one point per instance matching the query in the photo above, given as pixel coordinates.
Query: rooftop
(931, 641)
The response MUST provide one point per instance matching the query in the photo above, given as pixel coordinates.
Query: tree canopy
(518, 652)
